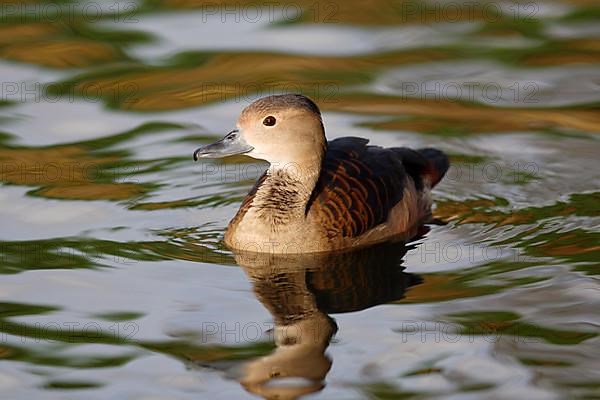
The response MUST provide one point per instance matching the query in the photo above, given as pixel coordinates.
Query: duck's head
(279, 129)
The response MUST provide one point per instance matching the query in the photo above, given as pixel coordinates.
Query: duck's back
(367, 194)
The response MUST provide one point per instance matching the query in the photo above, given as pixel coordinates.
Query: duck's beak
(232, 143)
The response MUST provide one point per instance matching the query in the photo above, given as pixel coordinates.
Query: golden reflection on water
(478, 117)
(64, 172)
(485, 210)
(303, 294)
(211, 77)
(226, 77)
(60, 54)
(13, 33)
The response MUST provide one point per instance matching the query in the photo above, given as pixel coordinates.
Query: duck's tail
(437, 165)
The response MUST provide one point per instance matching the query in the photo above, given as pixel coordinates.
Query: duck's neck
(286, 190)
(275, 214)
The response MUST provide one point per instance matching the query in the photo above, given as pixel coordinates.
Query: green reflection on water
(97, 64)
(497, 323)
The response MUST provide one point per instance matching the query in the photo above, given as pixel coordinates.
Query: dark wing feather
(359, 184)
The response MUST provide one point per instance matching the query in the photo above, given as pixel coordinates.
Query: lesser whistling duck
(318, 195)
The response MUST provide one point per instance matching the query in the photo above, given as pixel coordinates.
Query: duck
(318, 195)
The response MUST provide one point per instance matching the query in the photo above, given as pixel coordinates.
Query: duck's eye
(269, 121)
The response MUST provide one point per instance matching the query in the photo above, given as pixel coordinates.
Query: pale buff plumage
(308, 201)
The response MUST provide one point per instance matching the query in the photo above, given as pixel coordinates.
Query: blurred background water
(115, 283)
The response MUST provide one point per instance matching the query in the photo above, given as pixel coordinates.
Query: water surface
(115, 282)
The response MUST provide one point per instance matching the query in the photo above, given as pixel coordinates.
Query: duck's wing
(359, 184)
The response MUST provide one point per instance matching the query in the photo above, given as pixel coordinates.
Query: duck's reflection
(300, 291)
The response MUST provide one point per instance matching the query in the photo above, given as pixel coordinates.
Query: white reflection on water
(494, 84)
(189, 31)
(176, 297)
